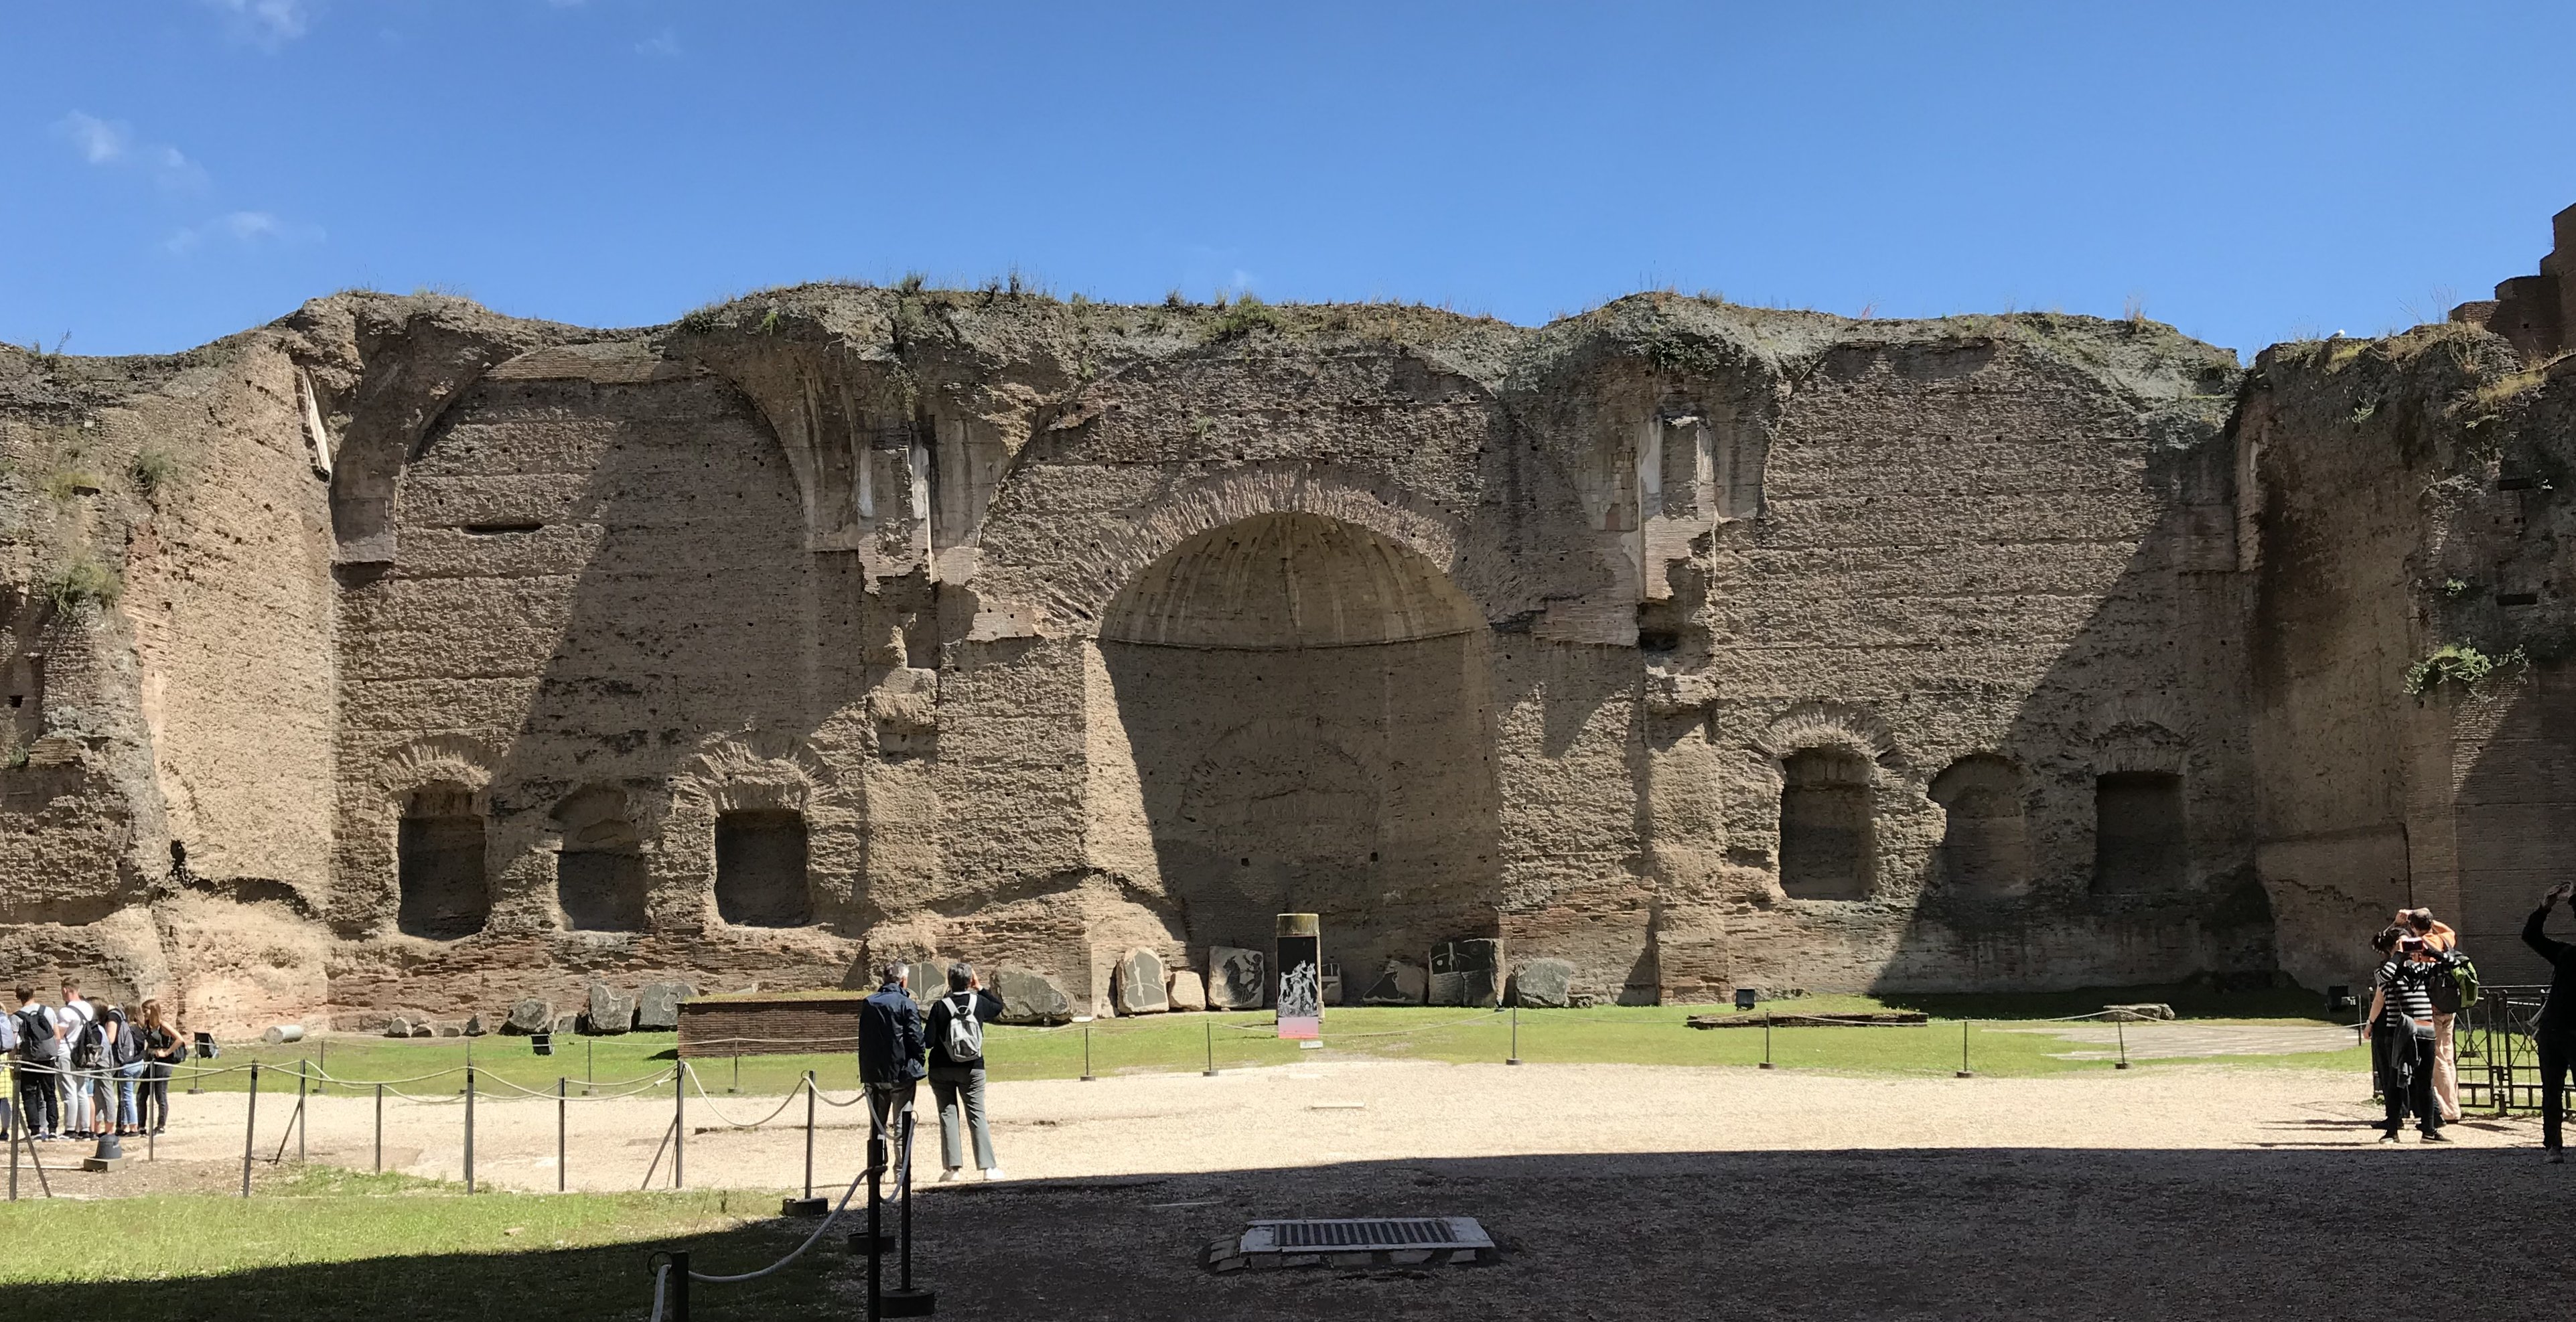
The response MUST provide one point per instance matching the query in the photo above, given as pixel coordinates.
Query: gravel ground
(2194, 1191)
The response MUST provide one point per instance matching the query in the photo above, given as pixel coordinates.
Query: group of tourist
(87, 1070)
(2423, 983)
(898, 1049)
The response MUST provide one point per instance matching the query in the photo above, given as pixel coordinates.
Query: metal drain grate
(1365, 1235)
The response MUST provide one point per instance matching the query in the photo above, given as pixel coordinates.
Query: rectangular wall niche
(760, 869)
(1827, 846)
(2138, 840)
(438, 865)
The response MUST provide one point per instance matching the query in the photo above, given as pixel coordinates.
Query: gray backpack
(965, 1031)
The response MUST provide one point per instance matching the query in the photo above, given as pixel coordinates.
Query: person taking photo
(957, 1069)
(2401, 1018)
(2555, 1033)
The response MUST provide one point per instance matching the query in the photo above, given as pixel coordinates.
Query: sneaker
(2436, 1136)
(992, 1173)
(949, 1176)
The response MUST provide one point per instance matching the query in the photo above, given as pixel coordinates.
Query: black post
(678, 1296)
(1086, 1053)
(809, 1133)
(1210, 1025)
(13, 1139)
(563, 1090)
(904, 1180)
(1766, 1039)
(736, 1085)
(1964, 1071)
(586, 1076)
(322, 1051)
(2122, 1024)
(679, 1117)
(1515, 1057)
(380, 1129)
(302, 1081)
(876, 1224)
(469, 1129)
(250, 1127)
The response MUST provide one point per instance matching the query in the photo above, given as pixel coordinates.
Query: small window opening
(760, 869)
(1828, 846)
(2138, 842)
(599, 871)
(438, 864)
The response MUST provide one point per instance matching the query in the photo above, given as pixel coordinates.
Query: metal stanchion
(807, 1205)
(1766, 1039)
(876, 1223)
(380, 1129)
(1515, 1057)
(2123, 1026)
(1964, 1071)
(563, 1092)
(679, 1117)
(1086, 1054)
(736, 1085)
(678, 1295)
(907, 1299)
(303, 1079)
(1210, 1025)
(250, 1127)
(586, 1074)
(469, 1129)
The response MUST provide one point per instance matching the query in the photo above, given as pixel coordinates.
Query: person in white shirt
(70, 1022)
(40, 1053)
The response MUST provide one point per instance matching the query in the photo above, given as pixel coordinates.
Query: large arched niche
(1309, 707)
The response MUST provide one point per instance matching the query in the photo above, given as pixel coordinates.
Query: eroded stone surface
(1545, 984)
(1030, 997)
(1140, 984)
(530, 1016)
(657, 1005)
(609, 1011)
(1237, 978)
(1188, 992)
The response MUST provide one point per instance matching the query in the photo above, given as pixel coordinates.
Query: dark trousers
(2557, 1056)
(40, 1103)
(155, 1094)
(2411, 1056)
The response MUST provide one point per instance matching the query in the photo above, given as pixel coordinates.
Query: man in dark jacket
(957, 1069)
(890, 1048)
(2556, 1032)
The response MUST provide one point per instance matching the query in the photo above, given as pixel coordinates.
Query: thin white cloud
(265, 23)
(98, 141)
(665, 42)
(245, 229)
(110, 144)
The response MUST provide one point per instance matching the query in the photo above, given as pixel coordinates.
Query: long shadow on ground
(2294, 1233)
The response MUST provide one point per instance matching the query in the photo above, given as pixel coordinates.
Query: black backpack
(129, 1042)
(35, 1035)
(85, 1047)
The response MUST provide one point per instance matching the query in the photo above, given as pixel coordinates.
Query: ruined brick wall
(843, 624)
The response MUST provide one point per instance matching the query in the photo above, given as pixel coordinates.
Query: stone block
(2140, 1012)
(1468, 972)
(1140, 984)
(1188, 993)
(422, 1029)
(449, 1028)
(400, 1027)
(474, 1025)
(1030, 997)
(1399, 983)
(609, 1011)
(1238, 979)
(1543, 984)
(657, 1006)
(567, 1023)
(530, 1016)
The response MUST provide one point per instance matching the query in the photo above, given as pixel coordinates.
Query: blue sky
(173, 170)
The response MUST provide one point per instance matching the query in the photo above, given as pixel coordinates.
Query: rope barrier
(701, 1086)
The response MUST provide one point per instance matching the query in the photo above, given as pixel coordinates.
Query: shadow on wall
(2109, 838)
(1308, 707)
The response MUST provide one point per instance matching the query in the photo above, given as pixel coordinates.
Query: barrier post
(736, 1085)
(563, 1094)
(1515, 1057)
(1210, 1025)
(322, 1051)
(876, 1223)
(250, 1126)
(380, 1129)
(1766, 1039)
(9, 1075)
(1086, 1054)
(906, 1299)
(469, 1129)
(1964, 1071)
(809, 1134)
(303, 1079)
(2122, 1024)
(586, 1076)
(679, 1117)
(679, 1294)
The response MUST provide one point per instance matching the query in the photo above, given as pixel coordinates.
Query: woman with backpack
(956, 1032)
(163, 1050)
(120, 1070)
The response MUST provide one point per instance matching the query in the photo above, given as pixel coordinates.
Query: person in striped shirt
(2401, 1019)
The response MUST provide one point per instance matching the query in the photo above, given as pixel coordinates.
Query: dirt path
(1320, 1114)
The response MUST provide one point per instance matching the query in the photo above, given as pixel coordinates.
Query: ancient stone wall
(1696, 646)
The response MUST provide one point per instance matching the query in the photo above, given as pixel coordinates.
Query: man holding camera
(2439, 943)
(2556, 1031)
(2401, 1018)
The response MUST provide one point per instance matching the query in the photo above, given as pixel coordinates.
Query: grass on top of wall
(1641, 1035)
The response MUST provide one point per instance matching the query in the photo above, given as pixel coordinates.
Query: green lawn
(330, 1244)
(1163, 1043)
